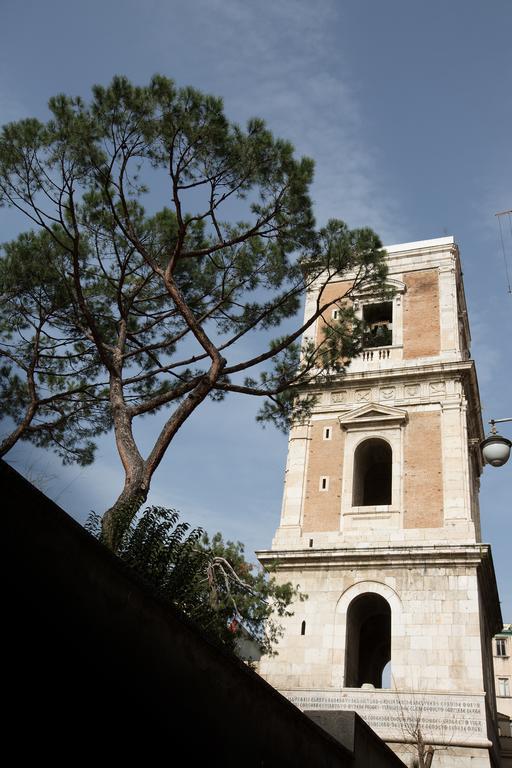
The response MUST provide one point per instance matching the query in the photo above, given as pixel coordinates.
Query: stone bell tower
(380, 526)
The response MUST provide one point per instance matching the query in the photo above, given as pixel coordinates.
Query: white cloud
(283, 62)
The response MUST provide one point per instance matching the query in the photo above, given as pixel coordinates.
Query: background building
(502, 653)
(380, 525)
(502, 650)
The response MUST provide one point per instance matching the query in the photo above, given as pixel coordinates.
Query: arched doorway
(368, 641)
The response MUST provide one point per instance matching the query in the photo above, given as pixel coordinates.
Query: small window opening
(368, 646)
(372, 473)
(303, 628)
(324, 483)
(335, 314)
(501, 648)
(378, 321)
(327, 433)
(311, 542)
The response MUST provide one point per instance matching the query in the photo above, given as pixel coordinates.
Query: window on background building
(503, 686)
(501, 647)
(372, 473)
(378, 321)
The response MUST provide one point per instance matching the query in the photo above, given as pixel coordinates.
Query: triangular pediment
(372, 413)
(391, 285)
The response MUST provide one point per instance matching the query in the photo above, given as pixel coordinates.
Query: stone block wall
(435, 626)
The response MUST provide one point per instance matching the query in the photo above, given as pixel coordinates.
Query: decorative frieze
(415, 392)
(437, 387)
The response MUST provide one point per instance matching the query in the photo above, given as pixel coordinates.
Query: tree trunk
(11, 440)
(421, 750)
(118, 517)
(138, 472)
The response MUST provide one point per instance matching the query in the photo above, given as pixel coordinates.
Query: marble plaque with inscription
(445, 718)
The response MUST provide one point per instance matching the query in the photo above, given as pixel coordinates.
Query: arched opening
(378, 321)
(372, 473)
(386, 675)
(368, 641)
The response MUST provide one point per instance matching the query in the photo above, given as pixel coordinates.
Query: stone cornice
(434, 245)
(422, 249)
(442, 555)
(473, 397)
(447, 369)
(463, 369)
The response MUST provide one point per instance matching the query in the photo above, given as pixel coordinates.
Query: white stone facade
(408, 561)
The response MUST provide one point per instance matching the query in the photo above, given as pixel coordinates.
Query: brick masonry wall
(322, 508)
(423, 498)
(422, 333)
(331, 292)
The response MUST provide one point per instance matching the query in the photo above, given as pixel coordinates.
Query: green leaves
(209, 580)
(48, 364)
(164, 234)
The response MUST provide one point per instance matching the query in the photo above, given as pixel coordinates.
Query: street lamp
(495, 448)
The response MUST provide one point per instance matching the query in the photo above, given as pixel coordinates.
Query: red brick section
(322, 508)
(422, 332)
(423, 472)
(331, 292)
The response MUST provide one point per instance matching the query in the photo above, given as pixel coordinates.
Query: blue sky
(404, 106)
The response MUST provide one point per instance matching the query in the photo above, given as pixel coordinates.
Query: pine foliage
(208, 580)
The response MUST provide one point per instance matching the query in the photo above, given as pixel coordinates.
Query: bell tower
(380, 525)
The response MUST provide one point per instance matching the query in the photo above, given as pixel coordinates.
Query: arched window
(372, 473)
(368, 644)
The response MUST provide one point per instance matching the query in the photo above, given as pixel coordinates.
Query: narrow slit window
(335, 314)
(327, 433)
(311, 542)
(303, 628)
(324, 483)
